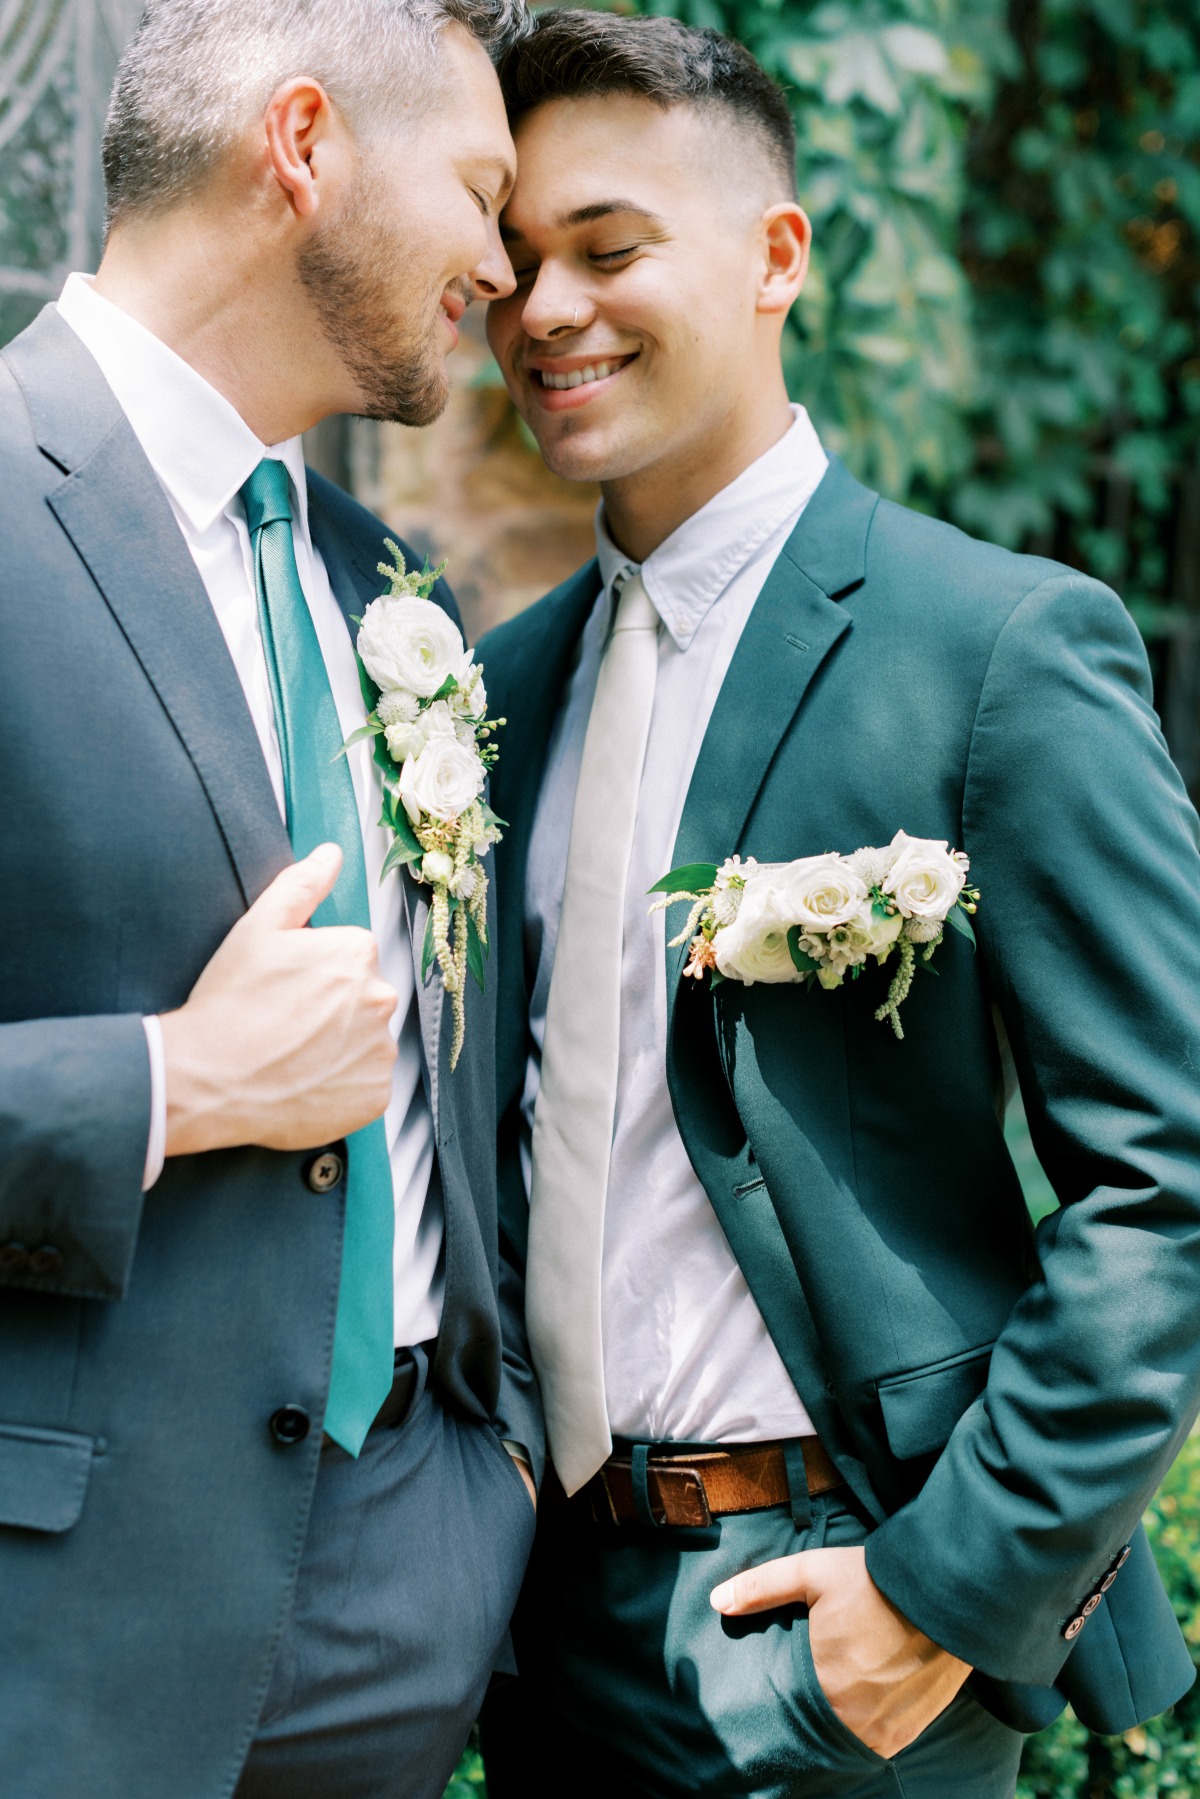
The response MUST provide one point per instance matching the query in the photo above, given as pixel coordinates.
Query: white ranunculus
(410, 643)
(442, 781)
(925, 880)
(465, 882)
(819, 892)
(754, 946)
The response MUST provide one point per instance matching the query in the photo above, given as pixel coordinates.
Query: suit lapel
(112, 507)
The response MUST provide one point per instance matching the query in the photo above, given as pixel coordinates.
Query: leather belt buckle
(683, 1494)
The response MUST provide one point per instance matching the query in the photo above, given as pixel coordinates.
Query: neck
(226, 297)
(641, 510)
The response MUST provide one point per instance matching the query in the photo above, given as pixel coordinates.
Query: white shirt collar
(691, 569)
(198, 445)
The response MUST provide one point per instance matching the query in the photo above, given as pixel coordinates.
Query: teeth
(577, 377)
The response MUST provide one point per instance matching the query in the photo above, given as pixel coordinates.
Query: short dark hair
(570, 54)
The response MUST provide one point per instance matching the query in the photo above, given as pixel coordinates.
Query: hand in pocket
(882, 1676)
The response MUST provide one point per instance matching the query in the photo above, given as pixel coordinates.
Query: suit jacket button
(290, 1424)
(46, 1260)
(1090, 1605)
(14, 1258)
(1072, 1630)
(325, 1171)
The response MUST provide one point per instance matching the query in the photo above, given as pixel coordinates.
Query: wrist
(197, 1112)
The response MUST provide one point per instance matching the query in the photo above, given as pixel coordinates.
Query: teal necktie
(321, 808)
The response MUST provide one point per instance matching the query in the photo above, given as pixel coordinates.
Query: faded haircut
(197, 72)
(570, 54)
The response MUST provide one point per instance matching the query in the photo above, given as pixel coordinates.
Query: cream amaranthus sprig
(434, 745)
(822, 918)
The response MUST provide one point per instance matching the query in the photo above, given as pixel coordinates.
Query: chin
(583, 455)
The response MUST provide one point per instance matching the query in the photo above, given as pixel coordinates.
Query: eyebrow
(588, 215)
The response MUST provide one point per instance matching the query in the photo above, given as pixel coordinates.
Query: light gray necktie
(573, 1121)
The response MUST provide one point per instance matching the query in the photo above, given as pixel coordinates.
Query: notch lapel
(112, 507)
(795, 623)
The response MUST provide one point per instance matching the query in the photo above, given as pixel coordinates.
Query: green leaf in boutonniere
(800, 958)
(476, 952)
(693, 877)
(962, 924)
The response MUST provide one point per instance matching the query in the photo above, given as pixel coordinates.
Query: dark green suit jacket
(1004, 1401)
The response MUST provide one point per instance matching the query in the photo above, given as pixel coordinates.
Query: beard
(382, 327)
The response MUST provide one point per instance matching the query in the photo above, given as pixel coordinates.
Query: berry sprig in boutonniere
(433, 743)
(822, 917)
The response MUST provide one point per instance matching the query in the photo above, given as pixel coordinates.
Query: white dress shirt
(202, 452)
(687, 1357)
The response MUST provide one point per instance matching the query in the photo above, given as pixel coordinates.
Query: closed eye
(611, 256)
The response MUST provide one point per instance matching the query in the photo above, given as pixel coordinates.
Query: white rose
(404, 740)
(436, 866)
(755, 947)
(438, 721)
(409, 643)
(442, 781)
(925, 880)
(819, 892)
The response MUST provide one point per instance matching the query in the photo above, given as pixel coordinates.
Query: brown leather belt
(695, 1488)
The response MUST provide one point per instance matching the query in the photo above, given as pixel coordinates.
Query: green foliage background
(1000, 323)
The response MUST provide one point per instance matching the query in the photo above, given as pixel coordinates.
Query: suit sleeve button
(1090, 1605)
(325, 1171)
(290, 1424)
(46, 1260)
(1122, 1558)
(1072, 1630)
(14, 1258)
(1108, 1580)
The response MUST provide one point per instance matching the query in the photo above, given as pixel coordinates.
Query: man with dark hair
(263, 1368)
(851, 1459)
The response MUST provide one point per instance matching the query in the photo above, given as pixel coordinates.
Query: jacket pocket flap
(43, 1477)
(921, 1408)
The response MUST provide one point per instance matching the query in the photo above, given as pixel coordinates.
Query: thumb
(792, 1580)
(294, 895)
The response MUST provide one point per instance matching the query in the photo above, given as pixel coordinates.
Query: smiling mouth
(584, 377)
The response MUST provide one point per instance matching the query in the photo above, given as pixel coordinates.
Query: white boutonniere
(823, 917)
(432, 741)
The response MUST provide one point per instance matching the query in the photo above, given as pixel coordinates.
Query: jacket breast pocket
(44, 1477)
(922, 1406)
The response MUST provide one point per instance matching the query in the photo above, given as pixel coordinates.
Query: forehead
(575, 154)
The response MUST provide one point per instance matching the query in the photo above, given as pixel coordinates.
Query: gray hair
(198, 71)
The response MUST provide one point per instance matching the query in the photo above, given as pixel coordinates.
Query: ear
(299, 124)
(786, 237)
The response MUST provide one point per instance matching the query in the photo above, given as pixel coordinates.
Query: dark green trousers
(631, 1684)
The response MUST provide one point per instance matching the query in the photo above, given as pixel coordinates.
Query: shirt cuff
(518, 1452)
(156, 1147)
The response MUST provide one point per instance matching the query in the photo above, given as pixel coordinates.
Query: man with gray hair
(268, 1432)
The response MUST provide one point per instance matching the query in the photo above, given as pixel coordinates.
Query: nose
(556, 304)
(493, 276)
